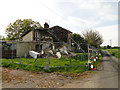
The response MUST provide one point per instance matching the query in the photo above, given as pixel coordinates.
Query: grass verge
(67, 65)
(114, 52)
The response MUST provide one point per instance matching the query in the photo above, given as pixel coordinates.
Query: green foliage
(56, 65)
(80, 56)
(96, 63)
(114, 52)
(81, 41)
(77, 37)
(101, 51)
(19, 27)
(108, 47)
(93, 38)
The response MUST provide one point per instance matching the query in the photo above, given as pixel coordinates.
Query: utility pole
(111, 43)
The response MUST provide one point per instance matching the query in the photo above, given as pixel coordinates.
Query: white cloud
(89, 14)
(89, 5)
(109, 33)
(108, 18)
(80, 22)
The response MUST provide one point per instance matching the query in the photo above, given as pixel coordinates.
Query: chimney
(46, 25)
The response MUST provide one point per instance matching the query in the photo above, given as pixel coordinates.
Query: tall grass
(64, 64)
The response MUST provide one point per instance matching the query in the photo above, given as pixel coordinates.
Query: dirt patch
(28, 79)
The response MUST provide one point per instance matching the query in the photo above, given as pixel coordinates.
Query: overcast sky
(74, 15)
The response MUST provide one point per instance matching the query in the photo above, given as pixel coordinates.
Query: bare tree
(93, 37)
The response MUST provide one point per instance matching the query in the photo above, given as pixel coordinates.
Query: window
(52, 31)
(38, 47)
(35, 35)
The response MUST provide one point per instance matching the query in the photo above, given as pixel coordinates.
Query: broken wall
(24, 48)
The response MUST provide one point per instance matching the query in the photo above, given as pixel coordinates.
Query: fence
(92, 52)
(52, 54)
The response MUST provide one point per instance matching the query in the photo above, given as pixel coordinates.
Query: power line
(50, 9)
(53, 11)
(57, 13)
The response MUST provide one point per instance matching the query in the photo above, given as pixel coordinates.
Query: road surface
(105, 77)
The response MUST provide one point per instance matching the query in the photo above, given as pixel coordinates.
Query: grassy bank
(114, 52)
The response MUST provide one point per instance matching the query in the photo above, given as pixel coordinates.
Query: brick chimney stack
(46, 25)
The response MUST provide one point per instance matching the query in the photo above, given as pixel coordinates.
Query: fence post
(12, 52)
(88, 59)
(21, 52)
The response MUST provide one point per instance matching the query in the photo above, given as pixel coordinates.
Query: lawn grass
(64, 64)
(114, 52)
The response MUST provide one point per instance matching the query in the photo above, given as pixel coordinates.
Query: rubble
(50, 51)
(64, 50)
(33, 54)
(58, 54)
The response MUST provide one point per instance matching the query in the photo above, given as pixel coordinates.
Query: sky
(74, 15)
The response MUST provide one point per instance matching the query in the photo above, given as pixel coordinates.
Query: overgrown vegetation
(80, 41)
(69, 65)
(101, 52)
(52, 62)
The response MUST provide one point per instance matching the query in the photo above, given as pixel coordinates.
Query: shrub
(113, 54)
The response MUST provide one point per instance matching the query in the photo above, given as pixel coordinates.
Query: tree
(108, 47)
(93, 38)
(80, 41)
(19, 27)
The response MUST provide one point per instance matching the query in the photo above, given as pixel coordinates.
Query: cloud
(108, 18)
(80, 22)
(89, 5)
(102, 12)
(37, 10)
(74, 15)
(109, 33)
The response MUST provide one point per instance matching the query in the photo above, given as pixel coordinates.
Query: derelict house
(39, 40)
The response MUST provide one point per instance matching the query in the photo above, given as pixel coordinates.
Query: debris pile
(52, 53)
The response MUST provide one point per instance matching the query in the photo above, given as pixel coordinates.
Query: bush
(113, 54)
(101, 52)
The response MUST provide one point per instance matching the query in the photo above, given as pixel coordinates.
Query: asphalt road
(106, 75)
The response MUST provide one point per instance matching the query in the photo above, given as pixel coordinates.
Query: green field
(114, 52)
(64, 64)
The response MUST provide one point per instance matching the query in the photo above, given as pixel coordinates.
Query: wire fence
(42, 54)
